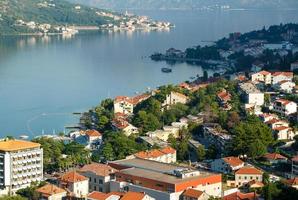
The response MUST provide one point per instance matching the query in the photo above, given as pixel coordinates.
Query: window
(245, 177)
(94, 188)
(94, 180)
(100, 181)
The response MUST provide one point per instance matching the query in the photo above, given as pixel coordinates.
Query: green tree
(211, 152)
(270, 191)
(103, 122)
(201, 153)
(17, 197)
(108, 152)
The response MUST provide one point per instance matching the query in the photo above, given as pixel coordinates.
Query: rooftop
(15, 145)
(249, 170)
(274, 156)
(72, 177)
(241, 196)
(50, 189)
(248, 88)
(98, 169)
(93, 133)
(192, 193)
(133, 196)
(233, 161)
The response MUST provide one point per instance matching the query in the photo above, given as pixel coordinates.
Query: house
(247, 174)
(252, 97)
(136, 196)
(295, 166)
(162, 180)
(283, 133)
(99, 176)
(285, 86)
(123, 104)
(241, 196)
(224, 97)
(75, 183)
(227, 165)
(284, 107)
(124, 126)
(292, 182)
(265, 117)
(275, 158)
(165, 155)
(274, 123)
(262, 76)
(174, 98)
(294, 66)
(51, 192)
(282, 76)
(193, 194)
(91, 139)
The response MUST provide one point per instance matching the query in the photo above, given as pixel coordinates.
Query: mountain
(28, 16)
(189, 4)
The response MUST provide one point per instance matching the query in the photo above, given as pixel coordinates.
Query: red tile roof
(98, 169)
(72, 177)
(233, 161)
(133, 196)
(241, 196)
(249, 170)
(283, 101)
(224, 96)
(264, 73)
(168, 150)
(281, 128)
(274, 156)
(97, 196)
(93, 133)
(292, 182)
(49, 190)
(288, 74)
(192, 193)
(155, 153)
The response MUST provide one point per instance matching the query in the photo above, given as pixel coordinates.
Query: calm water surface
(44, 79)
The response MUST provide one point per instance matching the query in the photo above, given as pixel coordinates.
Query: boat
(24, 137)
(166, 70)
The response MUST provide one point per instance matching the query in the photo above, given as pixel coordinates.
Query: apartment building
(125, 105)
(227, 165)
(216, 135)
(262, 76)
(285, 107)
(246, 174)
(21, 163)
(251, 95)
(99, 176)
(174, 98)
(162, 180)
(282, 76)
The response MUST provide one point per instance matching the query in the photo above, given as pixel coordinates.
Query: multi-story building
(282, 76)
(285, 107)
(295, 166)
(251, 95)
(216, 135)
(162, 180)
(174, 98)
(123, 104)
(99, 176)
(21, 163)
(285, 86)
(75, 184)
(262, 76)
(246, 174)
(227, 165)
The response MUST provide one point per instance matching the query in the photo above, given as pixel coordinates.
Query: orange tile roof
(72, 177)
(224, 96)
(249, 170)
(274, 156)
(283, 101)
(98, 169)
(264, 73)
(93, 133)
(179, 94)
(233, 161)
(281, 128)
(293, 181)
(133, 196)
(49, 190)
(122, 98)
(168, 150)
(241, 196)
(192, 193)
(15, 145)
(288, 74)
(97, 196)
(138, 99)
(149, 154)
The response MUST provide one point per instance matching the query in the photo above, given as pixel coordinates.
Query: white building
(99, 176)
(91, 139)
(285, 86)
(123, 105)
(75, 183)
(252, 96)
(21, 163)
(247, 174)
(285, 107)
(174, 98)
(283, 133)
(262, 76)
(282, 76)
(227, 165)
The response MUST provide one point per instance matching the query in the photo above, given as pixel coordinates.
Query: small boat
(24, 137)
(166, 70)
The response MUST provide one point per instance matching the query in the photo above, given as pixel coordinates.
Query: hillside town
(230, 137)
